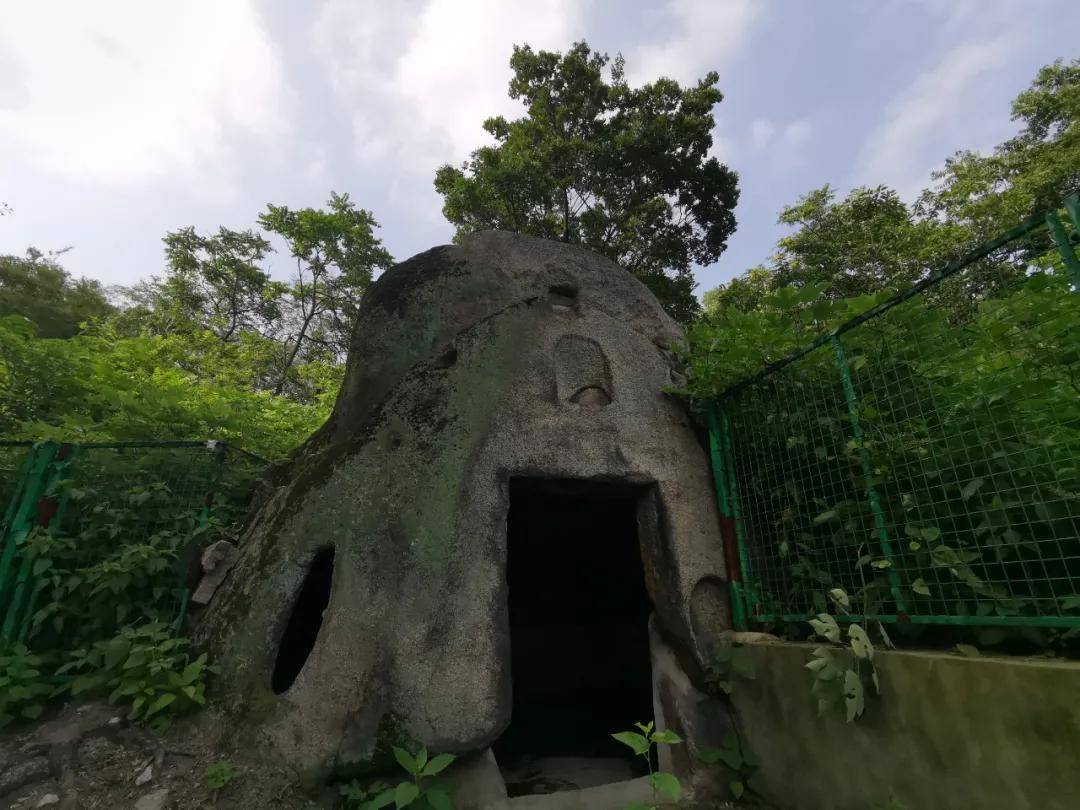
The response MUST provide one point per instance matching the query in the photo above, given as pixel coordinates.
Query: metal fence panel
(925, 459)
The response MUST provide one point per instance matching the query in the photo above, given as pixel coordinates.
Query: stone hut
(468, 553)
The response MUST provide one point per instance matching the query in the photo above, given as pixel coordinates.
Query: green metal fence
(924, 457)
(110, 496)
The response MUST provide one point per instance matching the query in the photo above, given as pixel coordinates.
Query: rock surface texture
(472, 364)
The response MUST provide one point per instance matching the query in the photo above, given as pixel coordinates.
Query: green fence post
(19, 527)
(1061, 239)
(749, 591)
(1072, 205)
(724, 499)
(868, 472)
(64, 457)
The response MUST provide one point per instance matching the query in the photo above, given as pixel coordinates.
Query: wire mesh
(105, 504)
(926, 461)
(12, 457)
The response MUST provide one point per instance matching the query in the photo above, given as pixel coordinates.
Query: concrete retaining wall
(947, 733)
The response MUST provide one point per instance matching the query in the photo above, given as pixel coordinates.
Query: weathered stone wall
(948, 733)
(504, 356)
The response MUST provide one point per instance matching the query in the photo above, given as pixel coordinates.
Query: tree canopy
(871, 240)
(214, 347)
(624, 171)
(38, 289)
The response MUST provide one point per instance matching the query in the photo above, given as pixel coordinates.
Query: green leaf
(737, 789)
(860, 642)
(968, 650)
(405, 760)
(438, 764)
(159, 704)
(971, 488)
(710, 756)
(438, 800)
(638, 744)
(384, 798)
(666, 737)
(825, 517)
(826, 627)
(405, 794)
(115, 653)
(136, 659)
(920, 587)
(839, 595)
(421, 758)
(666, 784)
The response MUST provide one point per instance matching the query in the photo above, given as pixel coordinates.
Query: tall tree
(872, 240)
(40, 290)
(622, 170)
(336, 254)
(219, 282)
(1030, 172)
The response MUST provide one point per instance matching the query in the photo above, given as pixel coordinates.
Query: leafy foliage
(1032, 171)
(117, 567)
(735, 755)
(419, 793)
(872, 241)
(219, 775)
(842, 672)
(24, 687)
(730, 661)
(102, 386)
(964, 397)
(622, 170)
(665, 786)
(144, 666)
(39, 290)
(336, 253)
(217, 283)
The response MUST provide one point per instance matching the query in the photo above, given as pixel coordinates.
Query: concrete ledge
(615, 796)
(947, 733)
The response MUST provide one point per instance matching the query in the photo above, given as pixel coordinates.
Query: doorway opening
(579, 636)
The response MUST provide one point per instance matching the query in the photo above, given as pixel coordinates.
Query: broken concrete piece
(217, 559)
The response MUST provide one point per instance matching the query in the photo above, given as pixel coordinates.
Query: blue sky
(122, 120)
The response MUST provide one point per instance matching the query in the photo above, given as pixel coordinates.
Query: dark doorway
(578, 622)
(305, 621)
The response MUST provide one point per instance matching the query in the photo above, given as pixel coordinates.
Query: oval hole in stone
(306, 619)
(565, 291)
(591, 395)
(447, 357)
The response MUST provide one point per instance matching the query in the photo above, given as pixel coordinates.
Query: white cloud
(766, 134)
(424, 77)
(905, 146)
(123, 92)
(761, 133)
(706, 35)
(797, 133)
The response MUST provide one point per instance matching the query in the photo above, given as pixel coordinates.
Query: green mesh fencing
(924, 458)
(102, 505)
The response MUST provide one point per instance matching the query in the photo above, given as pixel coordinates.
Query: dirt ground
(88, 758)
